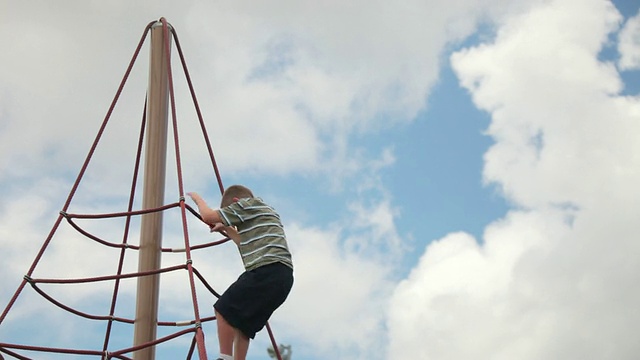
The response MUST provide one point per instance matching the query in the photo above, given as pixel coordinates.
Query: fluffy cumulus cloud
(629, 44)
(555, 278)
(339, 303)
(305, 76)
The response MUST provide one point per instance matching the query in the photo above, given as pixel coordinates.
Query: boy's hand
(194, 196)
(198, 200)
(216, 227)
(208, 215)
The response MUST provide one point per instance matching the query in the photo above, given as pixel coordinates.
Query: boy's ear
(235, 199)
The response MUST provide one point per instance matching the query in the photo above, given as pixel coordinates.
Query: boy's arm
(229, 231)
(210, 216)
(233, 234)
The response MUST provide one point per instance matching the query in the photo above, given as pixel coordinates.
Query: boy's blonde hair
(234, 191)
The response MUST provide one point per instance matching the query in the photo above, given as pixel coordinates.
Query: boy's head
(233, 193)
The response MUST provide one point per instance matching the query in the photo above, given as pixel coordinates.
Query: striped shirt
(262, 238)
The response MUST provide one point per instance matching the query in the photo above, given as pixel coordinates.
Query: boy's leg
(240, 345)
(225, 335)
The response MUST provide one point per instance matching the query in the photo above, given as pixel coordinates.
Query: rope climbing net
(191, 327)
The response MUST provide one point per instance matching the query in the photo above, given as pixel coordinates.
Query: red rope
(125, 237)
(124, 245)
(108, 277)
(50, 349)
(191, 348)
(200, 118)
(110, 317)
(273, 342)
(76, 312)
(151, 343)
(117, 354)
(121, 214)
(17, 356)
(202, 351)
(205, 283)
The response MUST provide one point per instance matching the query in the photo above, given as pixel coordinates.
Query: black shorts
(249, 302)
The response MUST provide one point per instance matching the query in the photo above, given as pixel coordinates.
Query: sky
(456, 179)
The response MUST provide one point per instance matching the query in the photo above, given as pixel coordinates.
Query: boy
(244, 308)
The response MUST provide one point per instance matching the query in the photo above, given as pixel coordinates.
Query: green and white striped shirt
(262, 238)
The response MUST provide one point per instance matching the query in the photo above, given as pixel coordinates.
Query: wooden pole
(153, 195)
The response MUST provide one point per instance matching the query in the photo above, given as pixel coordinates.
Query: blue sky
(456, 181)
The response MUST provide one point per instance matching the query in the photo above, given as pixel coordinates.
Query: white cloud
(339, 300)
(531, 82)
(301, 76)
(554, 278)
(629, 44)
